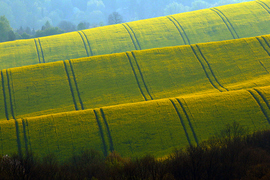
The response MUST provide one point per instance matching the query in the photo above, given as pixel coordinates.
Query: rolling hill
(141, 87)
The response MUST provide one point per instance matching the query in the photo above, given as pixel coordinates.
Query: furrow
(226, 22)
(37, 51)
(70, 86)
(263, 97)
(101, 134)
(76, 85)
(262, 42)
(88, 43)
(10, 96)
(205, 70)
(131, 37)
(210, 67)
(41, 51)
(182, 122)
(138, 83)
(178, 28)
(4, 94)
(185, 35)
(190, 124)
(84, 43)
(141, 75)
(25, 137)
(134, 36)
(265, 6)
(18, 138)
(257, 97)
(108, 130)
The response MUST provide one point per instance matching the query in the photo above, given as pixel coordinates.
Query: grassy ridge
(132, 130)
(135, 76)
(215, 24)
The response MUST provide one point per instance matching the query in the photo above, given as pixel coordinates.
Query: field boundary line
(131, 37)
(227, 22)
(41, 50)
(10, 96)
(178, 28)
(88, 43)
(138, 83)
(204, 68)
(87, 53)
(265, 6)
(141, 75)
(105, 152)
(37, 51)
(76, 85)
(108, 130)
(70, 86)
(190, 124)
(4, 94)
(259, 103)
(181, 120)
(181, 27)
(25, 137)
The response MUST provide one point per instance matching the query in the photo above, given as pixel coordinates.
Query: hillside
(69, 92)
(221, 23)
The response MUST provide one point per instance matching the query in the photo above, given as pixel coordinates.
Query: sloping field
(135, 76)
(223, 23)
(155, 127)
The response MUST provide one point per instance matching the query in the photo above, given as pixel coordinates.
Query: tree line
(9, 34)
(234, 153)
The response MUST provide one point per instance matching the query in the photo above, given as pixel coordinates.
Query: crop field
(215, 24)
(143, 87)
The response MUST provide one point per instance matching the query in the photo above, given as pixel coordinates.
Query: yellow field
(215, 24)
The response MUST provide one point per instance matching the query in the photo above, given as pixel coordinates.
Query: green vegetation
(230, 154)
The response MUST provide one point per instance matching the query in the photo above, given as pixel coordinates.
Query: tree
(115, 18)
(48, 32)
(6, 33)
(67, 26)
(83, 25)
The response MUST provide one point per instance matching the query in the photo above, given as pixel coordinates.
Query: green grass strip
(101, 134)
(10, 97)
(4, 94)
(191, 127)
(256, 97)
(108, 130)
(37, 51)
(181, 120)
(70, 86)
(76, 85)
(138, 83)
(88, 43)
(134, 36)
(265, 6)
(41, 51)
(84, 43)
(185, 37)
(231, 29)
(141, 75)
